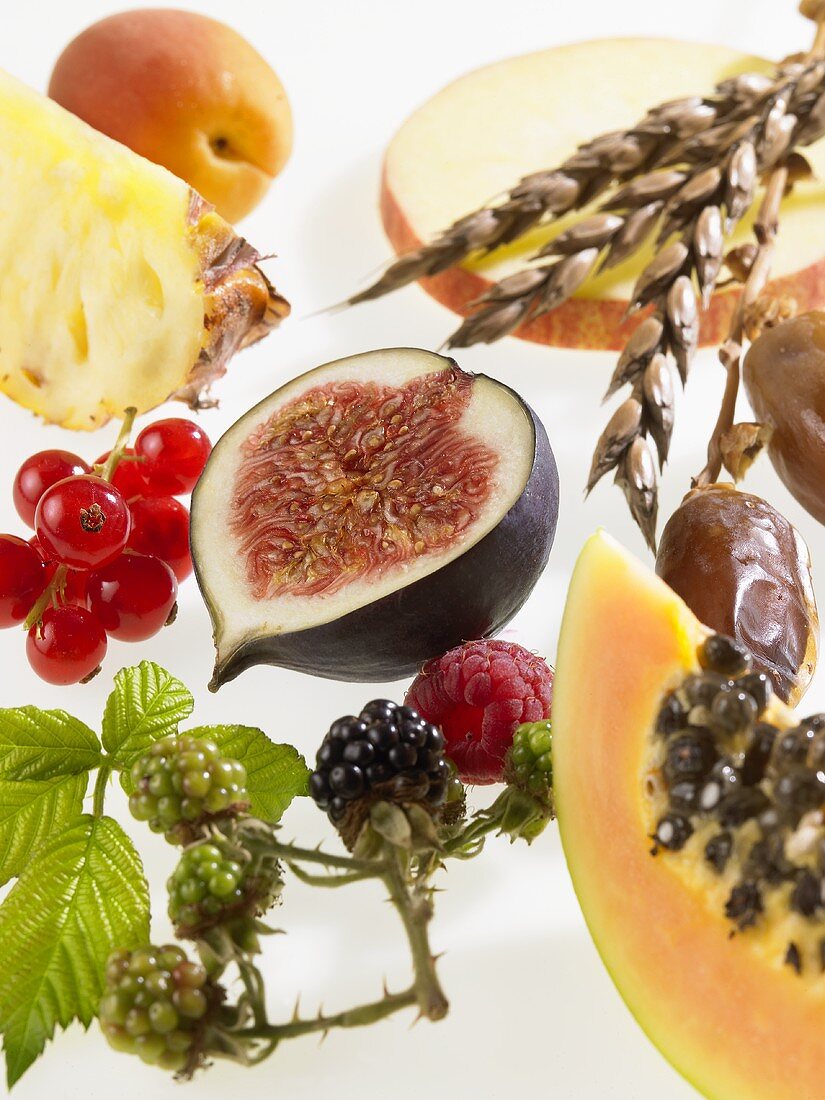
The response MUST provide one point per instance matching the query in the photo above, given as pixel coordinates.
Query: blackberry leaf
(81, 895)
(275, 774)
(147, 703)
(42, 744)
(30, 811)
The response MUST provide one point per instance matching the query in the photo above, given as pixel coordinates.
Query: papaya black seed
(744, 905)
(798, 791)
(758, 753)
(815, 722)
(719, 653)
(758, 686)
(672, 717)
(822, 954)
(723, 780)
(689, 756)
(684, 796)
(733, 710)
(673, 832)
(767, 861)
(792, 748)
(718, 850)
(793, 958)
(699, 691)
(742, 805)
(806, 896)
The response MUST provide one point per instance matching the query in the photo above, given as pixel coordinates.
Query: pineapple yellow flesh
(105, 277)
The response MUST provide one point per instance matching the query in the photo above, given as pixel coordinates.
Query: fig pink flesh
(352, 477)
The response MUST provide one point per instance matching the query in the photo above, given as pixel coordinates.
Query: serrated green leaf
(275, 773)
(40, 744)
(30, 811)
(82, 894)
(147, 703)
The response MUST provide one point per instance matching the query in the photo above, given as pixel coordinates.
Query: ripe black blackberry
(157, 1005)
(388, 752)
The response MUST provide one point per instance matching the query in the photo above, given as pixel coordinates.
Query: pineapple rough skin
(119, 285)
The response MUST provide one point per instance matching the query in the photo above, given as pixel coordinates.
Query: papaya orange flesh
(722, 1004)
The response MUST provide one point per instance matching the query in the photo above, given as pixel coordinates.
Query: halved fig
(370, 515)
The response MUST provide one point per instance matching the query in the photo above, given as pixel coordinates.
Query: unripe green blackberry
(529, 761)
(156, 1005)
(217, 883)
(183, 782)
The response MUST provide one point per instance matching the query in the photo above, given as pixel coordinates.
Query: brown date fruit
(745, 571)
(784, 376)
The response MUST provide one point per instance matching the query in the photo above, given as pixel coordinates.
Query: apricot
(745, 571)
(784, 376)
(187, 92)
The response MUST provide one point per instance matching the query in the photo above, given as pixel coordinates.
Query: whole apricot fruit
(187, 92)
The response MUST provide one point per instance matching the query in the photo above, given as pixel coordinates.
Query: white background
(533, 1011)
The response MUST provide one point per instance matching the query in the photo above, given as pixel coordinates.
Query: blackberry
(388, 752)
(183, 782)
(215, 883)
(719, 653)
(157, 1005)
(529, 764)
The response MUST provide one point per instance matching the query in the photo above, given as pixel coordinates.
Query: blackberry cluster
(529, 763)
(181, 782)
(155, 1005)
(388, 751)
(214, 884)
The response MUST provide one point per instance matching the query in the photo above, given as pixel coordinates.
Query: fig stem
(412, 899)
(765, 228)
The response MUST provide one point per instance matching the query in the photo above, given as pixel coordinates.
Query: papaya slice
(716, 946)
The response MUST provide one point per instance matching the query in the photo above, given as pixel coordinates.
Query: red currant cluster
(111, 544)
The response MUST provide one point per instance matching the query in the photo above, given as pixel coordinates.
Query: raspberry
(183, 782)
(388, 752)
(478, 694)
(529, 764)
(157, 1005)
(215, 883)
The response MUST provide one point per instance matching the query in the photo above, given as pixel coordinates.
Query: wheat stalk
(692, 261)
(671, 129)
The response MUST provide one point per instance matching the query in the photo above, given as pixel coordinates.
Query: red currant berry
(133, 596)
(160, 527)
(23, 576)
(40, 472)
(127, 477)
(176, 451)
(67, 645)
(82, 522)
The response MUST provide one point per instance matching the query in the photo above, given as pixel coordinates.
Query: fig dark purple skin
(784, 376)
(745, 572)
(400, 614)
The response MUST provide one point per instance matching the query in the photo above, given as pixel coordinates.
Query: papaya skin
(738, 1026)
(745, 571)
(784, 376)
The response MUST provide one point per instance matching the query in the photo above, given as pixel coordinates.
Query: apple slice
(477, 137)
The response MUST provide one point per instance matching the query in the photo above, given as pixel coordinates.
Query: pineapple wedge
(119, 285)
